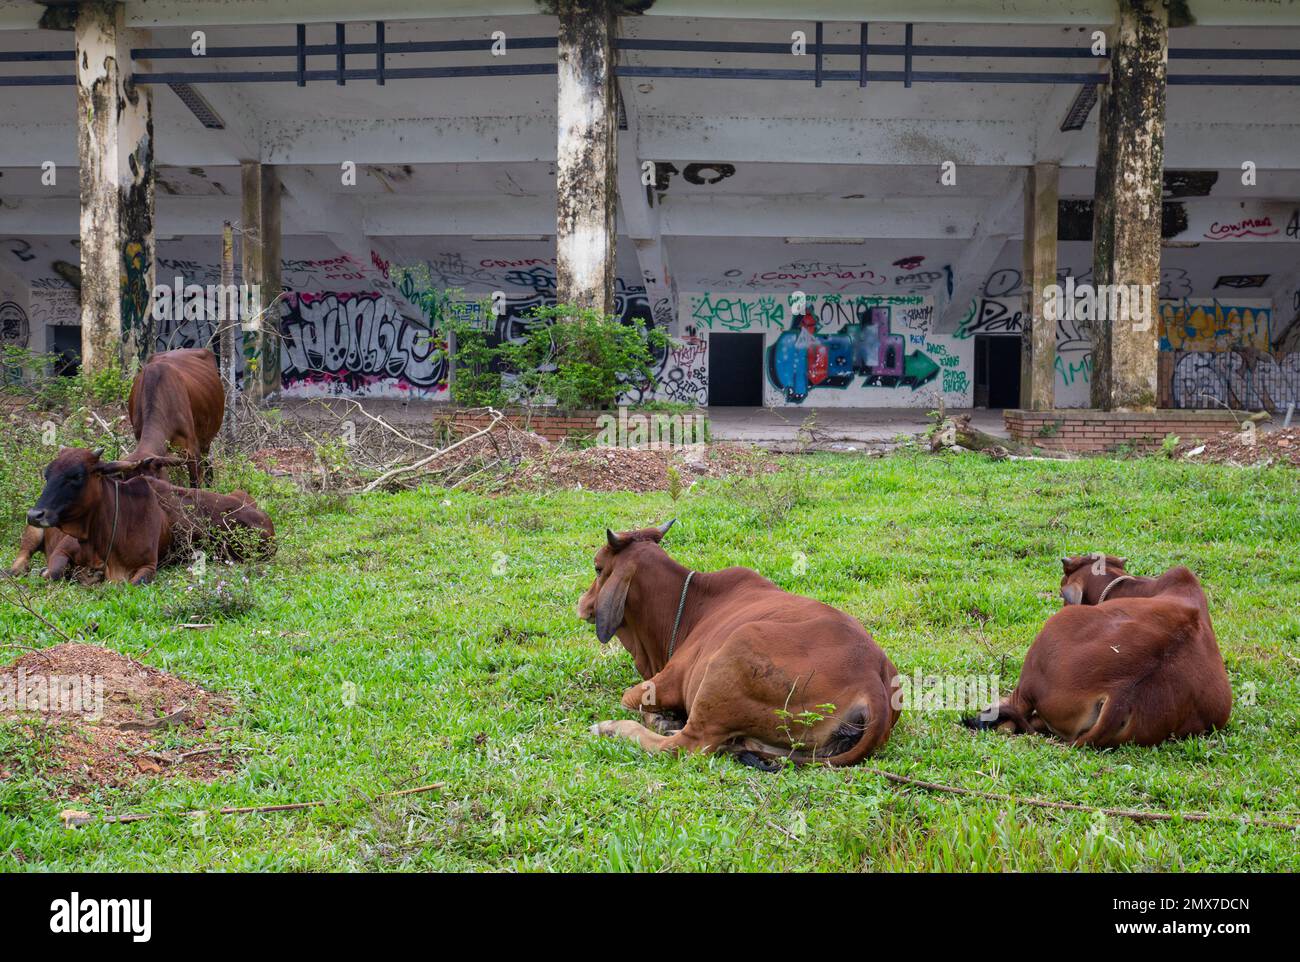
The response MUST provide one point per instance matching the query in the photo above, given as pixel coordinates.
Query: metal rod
(302, 55)
(817, 63)
(862, 55)
(339, 39)
(379, 51)
(907, 56)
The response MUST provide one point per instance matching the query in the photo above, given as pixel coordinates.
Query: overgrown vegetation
(574, 358)
(429, 636)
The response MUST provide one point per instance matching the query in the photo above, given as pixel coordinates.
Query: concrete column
(585, 171)
(260, 266)
(1127, 202)
(1038, 333)
(115, 146)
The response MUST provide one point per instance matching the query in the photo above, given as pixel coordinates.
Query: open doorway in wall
(997, 371)
(65, 345)
(735, 370)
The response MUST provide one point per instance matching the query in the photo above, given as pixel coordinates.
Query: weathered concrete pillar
(115, 146)
(260, 265)
(1127, 201)
(585, 171)
(1038, 332)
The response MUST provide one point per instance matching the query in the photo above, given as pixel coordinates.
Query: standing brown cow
(1128, 660)
(735, 664)
(176, 400)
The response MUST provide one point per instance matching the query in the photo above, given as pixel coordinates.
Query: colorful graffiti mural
(873, 349)
(1214, 325)
(358, 344)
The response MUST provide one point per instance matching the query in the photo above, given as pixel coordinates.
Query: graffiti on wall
(1214, 326)
(1241, 379)
(875, 349)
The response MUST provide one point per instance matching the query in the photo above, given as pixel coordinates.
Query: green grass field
(453, 615)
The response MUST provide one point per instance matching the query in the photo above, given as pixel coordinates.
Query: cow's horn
(615, 542)
(98, 453)
(663, 528)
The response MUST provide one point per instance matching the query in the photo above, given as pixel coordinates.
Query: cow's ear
(614, 541)
(612, 601)
(1072, 594)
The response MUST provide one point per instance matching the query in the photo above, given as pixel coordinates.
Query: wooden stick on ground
(1134, 814)
(74, 819)
(406, 469)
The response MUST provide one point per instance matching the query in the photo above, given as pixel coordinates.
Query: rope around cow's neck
(677, 622)
(112, 535)
(1106, 591)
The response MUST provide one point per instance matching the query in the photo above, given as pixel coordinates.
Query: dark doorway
(997, 371)
(66, 347)
(736, 370)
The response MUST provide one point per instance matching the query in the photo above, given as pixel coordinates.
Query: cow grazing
(127, 521)
(177, 401)
(1127, 660)
(735, 664)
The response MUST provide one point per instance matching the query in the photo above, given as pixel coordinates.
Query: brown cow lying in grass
(743, 667)
(1128, 660)
(176, 400)
(118, 518)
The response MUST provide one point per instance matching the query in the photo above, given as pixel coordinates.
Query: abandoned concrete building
(826, 203)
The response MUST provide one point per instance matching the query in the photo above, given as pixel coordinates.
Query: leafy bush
(476, 382)
(579, 358)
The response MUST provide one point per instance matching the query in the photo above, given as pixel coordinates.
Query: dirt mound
(632, 469)
(1245, 449)
(107, 716)
(507, 458)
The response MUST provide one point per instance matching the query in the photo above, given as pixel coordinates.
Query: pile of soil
(1235, 447)
(630, 469)
(510, 459)
(115, 740)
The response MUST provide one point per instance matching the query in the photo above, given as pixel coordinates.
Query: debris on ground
(956, 434)
(110, 719)
(1244, 448)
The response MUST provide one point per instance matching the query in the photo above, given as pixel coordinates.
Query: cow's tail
(1010, 712)
(865, 728)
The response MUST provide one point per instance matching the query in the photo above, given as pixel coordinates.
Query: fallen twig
(1134, 814)
(74, 819)
(497, 417)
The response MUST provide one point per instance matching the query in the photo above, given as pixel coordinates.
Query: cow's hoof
(610, 729)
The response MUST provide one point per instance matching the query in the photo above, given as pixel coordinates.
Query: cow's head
(72, 483)
(1087, 576)
(616, 563)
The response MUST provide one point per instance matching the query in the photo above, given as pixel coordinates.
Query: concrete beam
(996, 226)
(641, 222)
(115, 144)
(585, 165)
(260, 269)
(430, 140)
(1038, 332)
(1127, 205)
